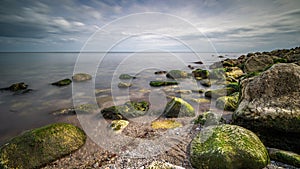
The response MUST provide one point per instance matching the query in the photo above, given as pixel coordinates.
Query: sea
(21, 112)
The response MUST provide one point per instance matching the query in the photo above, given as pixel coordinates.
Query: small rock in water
(63, 82)
(16, 87)
(79, 77)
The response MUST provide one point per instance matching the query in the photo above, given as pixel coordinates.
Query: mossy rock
(228, 103)
(234, 85)
(16, 87)
(209, 118)
(118, 125)
(200, 74)
(219, 92)
(128, 110)
(177, 74)
(80, 77)
(124, 85)
(285, 157)
(217, 74)
(226, 147)
(177, 107)
(126, 76)
(158, 83)
(205, 82)
(165, 124)
(41, 146)
(63, 82)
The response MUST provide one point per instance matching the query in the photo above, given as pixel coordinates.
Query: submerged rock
(177, 107)
(40, 146)
(285, 157)
(227, 146)
(63, 82)
(176, 74)
(16, 87)
(158, 83)
(165, 124)
(79, 77)
(126, 76)
(200, 74)
(270, 106)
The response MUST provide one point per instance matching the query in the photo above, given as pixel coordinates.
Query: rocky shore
(254, 122)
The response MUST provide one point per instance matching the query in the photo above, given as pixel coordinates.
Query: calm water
(38, 70)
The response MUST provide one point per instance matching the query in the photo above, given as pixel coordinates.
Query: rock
(198, 91)
(165, 124)
(198, 62)
(177, 107)
(63, 82)
(257, 63)
(126, 76)
(183, 91)
(292, 55)
(160, 72)
(124, 85)
(209, 118)
(118, 125)
(128, 110)
(205, 82)
(228, 103)
(158, 83)
(16, 87)
(201, 100)
(227, 146)
(234, 72)
(230, 62)
(200, 74)
(217, 74)
(162, 165)
(79, 77)
(176, 74)
(270, 102)
(286, 157)
(191, 67)
(219, 92)
(221, 56)
(41, 146)
(65, 111)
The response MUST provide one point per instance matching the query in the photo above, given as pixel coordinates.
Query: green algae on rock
(16, 87)
(118, 125)
(176, 74)
(200, 74)
(124, 85)
(79, 77)
(158, 83)
(40, 146)
(219, 92)
(228, 103)
(165, 124)
(285, 157)
(63, 82)
(177, 107)
(226, 147)
(209, 118)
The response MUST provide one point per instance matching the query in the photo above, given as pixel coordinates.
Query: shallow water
(22, 112)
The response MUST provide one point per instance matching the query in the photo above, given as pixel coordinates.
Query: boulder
(158, 83)
(79, 77)
(227, 146)
(257, 63)
(200, 74)
(16, 87)
(228, 103)
(63, 82)
(41, 146)
(124, 85)
(177, 107)
(270, 102)
(126, 76)
(285, 157)
(234, 72)
(165, 124)
(176, 74)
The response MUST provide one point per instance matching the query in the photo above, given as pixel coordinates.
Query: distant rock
(227, 146)
(63, 82)
(79, 77)
(124, 85)
(200, 74)
(177, 107)
(270, 106)
(16, 87)
(177, 74)
(198, 62)
(126, 76)
(41, 146)
(160, 72)
(159, 83)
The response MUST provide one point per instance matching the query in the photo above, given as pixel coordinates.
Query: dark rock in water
(126, 76)
(162, 83)
(221, 56)
(79, 77)
(177, 107)
(219, 92)
(124, 85)
(285, 157)
(198, 62)
(200, 74)
(16, 87)
(128, 110)
(270, 106)
(191, 67)
(176, 74)
(41, 146)
(227, 146)
(160, 72)
(63, 82)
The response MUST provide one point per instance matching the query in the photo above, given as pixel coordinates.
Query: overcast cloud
(230, 25)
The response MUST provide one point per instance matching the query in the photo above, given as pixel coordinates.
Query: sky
(139, 25)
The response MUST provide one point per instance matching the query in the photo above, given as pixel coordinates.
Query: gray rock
(79, 77)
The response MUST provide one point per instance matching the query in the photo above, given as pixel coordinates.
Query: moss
(162, 83)
(228, 103)
(41, 146)
(63, 82)
(165, 124)
(234, 85)
(177, 107)
(175, 74)
(226, 147)
(200, 74)
(126, 76)
(280, 60)
(285, 157)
